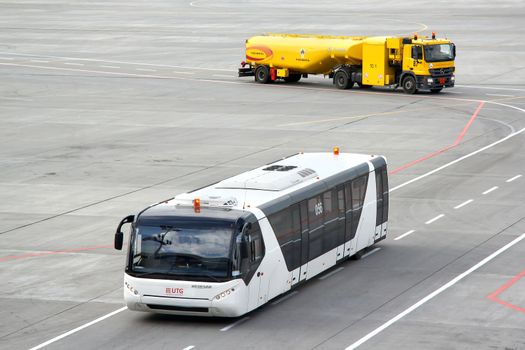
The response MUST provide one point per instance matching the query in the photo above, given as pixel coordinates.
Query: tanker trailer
(413, 63)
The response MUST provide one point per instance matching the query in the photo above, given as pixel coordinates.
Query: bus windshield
(439, 52)
(185, 251)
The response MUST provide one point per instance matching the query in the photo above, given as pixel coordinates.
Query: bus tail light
(336, 151)
(197, 205)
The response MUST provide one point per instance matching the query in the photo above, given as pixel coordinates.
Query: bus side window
(256, 243)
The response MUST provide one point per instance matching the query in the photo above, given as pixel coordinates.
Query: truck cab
(428, 64)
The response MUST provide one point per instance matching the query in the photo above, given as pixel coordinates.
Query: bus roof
(292, 178)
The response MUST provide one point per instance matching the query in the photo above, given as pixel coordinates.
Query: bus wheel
(342, 80)
(262, 75)
(436, 90)
(409, 85)
(293, 78)
(358, 255)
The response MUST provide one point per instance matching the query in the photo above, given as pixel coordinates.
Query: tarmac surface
(107, 107)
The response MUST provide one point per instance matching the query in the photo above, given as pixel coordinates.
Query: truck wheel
(292, 78)
(436, 90)
(409, 85)
(342, 81)
(262, 75)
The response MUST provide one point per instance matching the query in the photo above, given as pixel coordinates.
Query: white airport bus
(228, 248)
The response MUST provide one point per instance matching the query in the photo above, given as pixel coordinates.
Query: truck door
(304, 241)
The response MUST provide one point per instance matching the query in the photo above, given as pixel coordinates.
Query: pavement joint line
(500, 95)
(404, 235)
(331, 273)
(491, 190)
(434, 219)
(227, 328)
(371, 252)
(514, 178)
(189, 347)
(286, 297)
(434, 293)
(73, 331)
(464, 203)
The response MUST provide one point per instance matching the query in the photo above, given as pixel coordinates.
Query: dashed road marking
(331, 273)
(464, 203)
(514, 178)
(371, 252)
(189, 347)
(434, 219)
(490, 190)
(234, 324)
(404, 235)
(286, 297)
(146, 69)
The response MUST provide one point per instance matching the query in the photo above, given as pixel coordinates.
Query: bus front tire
(409, 85)
(262, 75)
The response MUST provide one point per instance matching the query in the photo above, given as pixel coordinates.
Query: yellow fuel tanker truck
(413, 63)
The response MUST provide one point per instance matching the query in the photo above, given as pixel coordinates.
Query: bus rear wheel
(409, 85)
(292, 78)
(262, 74)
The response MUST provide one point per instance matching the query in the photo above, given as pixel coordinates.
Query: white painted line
(404, 235)
(39, 61)
(433, 294)
(371, 252)
(114, 67)
(465, 156)
(121, 62)
(146, 69)
(222, 76)
(500, 95)
(463, 204)
(189, 347)
(73, 64)
(489, 88)
(434, 219)
(286, 297)
(331, 273)
(490, 190)
(513, 178)
(234, 324)
(40, 346)
(178, 72)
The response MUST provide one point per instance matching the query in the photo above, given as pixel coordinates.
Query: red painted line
(444, 149)
(37, 254)
(494, 296)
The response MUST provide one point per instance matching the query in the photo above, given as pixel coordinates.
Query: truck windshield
(184, 251)
(439, 53)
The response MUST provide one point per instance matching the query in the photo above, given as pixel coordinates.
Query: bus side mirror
(119, 236)
(119, 240)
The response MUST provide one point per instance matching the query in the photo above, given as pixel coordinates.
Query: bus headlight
(131, 289)
(224, 294)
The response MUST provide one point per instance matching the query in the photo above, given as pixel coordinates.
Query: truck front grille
(440, 72)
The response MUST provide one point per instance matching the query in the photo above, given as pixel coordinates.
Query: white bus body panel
(367, 221)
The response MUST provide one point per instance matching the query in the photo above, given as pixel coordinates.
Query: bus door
(258, 278)
(382, 202)
(303, 274)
